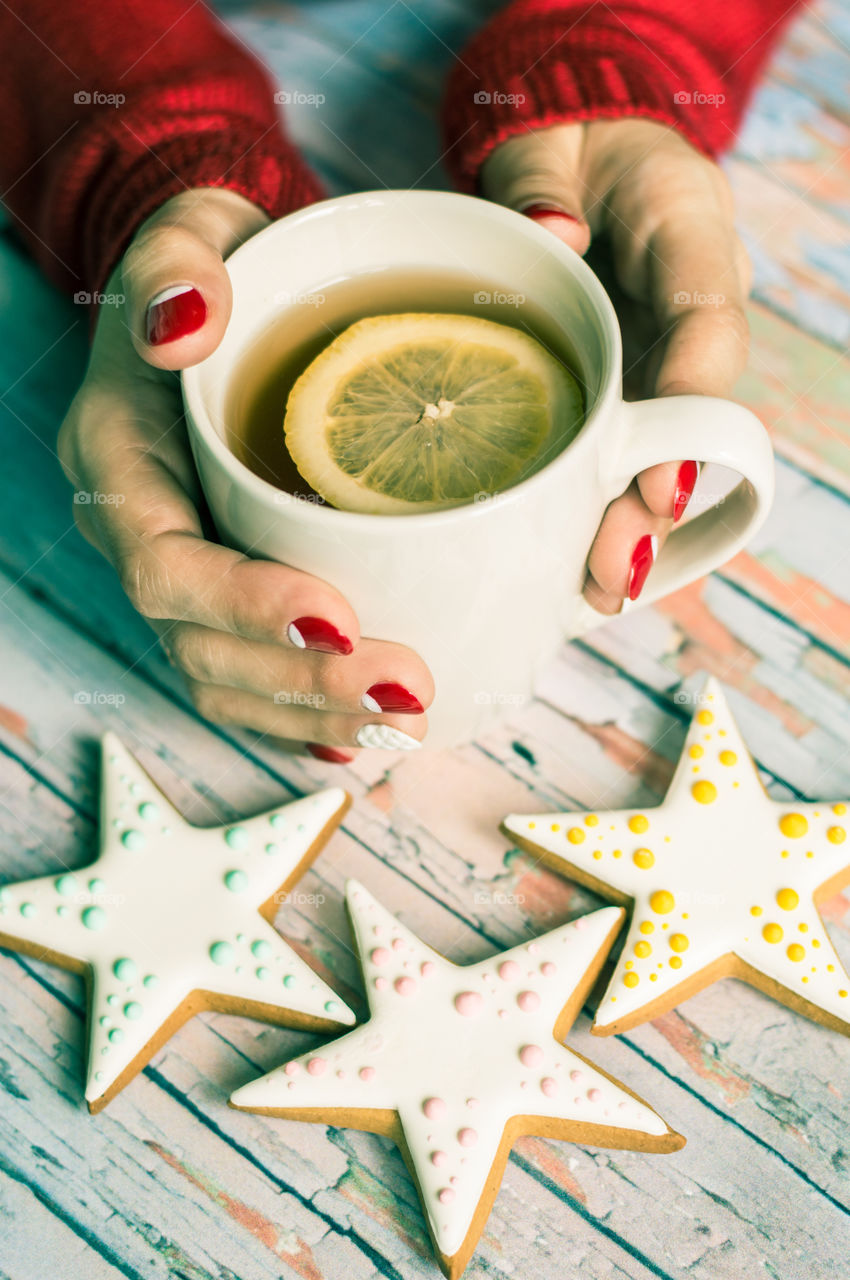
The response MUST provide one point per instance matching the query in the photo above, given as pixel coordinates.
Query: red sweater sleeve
(688, 63)
(111, 106)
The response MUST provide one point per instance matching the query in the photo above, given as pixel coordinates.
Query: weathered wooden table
(168, 1181)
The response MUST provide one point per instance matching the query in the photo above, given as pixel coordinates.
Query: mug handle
(711, 430)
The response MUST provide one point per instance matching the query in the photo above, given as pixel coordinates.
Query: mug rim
(200, 425)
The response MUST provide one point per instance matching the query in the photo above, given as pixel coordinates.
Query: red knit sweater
(79, 173)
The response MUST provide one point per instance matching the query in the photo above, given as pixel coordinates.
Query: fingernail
(389, 696)
(316, 633)
(685, 484)
(329, 754)
(174, 313)
(643, 558)
(385, 737)
(536, 211)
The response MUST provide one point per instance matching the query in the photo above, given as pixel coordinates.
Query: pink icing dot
(446, 1195)
(438, 1158)
(472, 1103)
(434, 1108)
(405, 986)
(580, 924)
(531, 1055)
(508, 970)
(453, 1179)
(532, 948)
(380, 983)
(366, 1073)
(380, 956)
(523, 1084)
(426, 968)
(575, 1075)
(340, 1075)
(468, 1003)
(594, 1095)
(549, 1086)
(398, 943)
(548, 969)
(377, 929)
(528, 1001)
(317, 1066)
(467, 1137)
(292, 1068)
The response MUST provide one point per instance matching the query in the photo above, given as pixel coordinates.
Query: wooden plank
(37, 1243)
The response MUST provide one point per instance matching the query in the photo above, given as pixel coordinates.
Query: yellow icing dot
(591, 820)
(643, 858)
(755, 911)
(665, 925)
(804, 978)
(804, 928)
(675, 962)
(642, 950)
(686, 915)
(704, 792)
(662, 902)
(793, 825)
(695, 768)
(556, 826)
(736, 784)
(653, 977)
(842, 994)
(721, 733)
(638, 823)
(788, 899)
(772, 933)
(575, 835)
(785, 853)
(728, 757)
(631, 979)
(696, 751)
(597, 853)
(618, 853)
(705, 717)
(532, 825)
(830, 968)
(647, 927)
(815, 942)
(795, 952)
(839, 809)
(679, 942)
(809, 853)
(630, 964)
(836, 835)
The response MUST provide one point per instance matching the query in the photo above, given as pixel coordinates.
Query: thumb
(177, 291)
(538, 175)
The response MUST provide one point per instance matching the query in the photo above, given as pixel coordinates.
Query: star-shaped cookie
(457, 1062)
(723, 880)
(171, 919)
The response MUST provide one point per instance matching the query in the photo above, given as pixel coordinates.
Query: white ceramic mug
(485, 592)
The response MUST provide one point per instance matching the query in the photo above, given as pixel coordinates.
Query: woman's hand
(667, 214)
(261, 645)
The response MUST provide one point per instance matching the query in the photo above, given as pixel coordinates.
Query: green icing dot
(94, 918)
(261, 949)
(221, 953)
(150, 980)
(236, 837)
(97, 885)
(277, 820)
(112, 999)
(133, 840)
(240, 937)
(5, 895)
(262, 971)
(149, 811)
(105, 1049)
(66, 885)
(135, 788)
(116, 1035)
(133, 1010)
(105, 1020)
(289, 980)
(272, 848)
(125, 970)
(236, 881)
(27, 910)
(331, 1006)
(98, 1075)
(61, 910)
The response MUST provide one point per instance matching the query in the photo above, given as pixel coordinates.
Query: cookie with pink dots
(171, 919)
(722, 881)
(457, 1062)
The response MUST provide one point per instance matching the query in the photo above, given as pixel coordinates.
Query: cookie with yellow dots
(722, 881)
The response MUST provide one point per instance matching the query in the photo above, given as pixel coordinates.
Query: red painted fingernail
(544, 211)
(643, 558)
(330, 755)
(389, 696)
(685, 483)
(316, 633)
(174, 313)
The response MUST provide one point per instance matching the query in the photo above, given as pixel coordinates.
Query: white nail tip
(368, 703)
(295, 636)
(385, 737)
(167, 294)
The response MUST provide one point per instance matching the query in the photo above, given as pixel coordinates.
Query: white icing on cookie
(456, 1052)
(168, 909)
(718, 868)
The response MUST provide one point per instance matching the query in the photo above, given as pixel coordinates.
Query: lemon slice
(410, 413)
